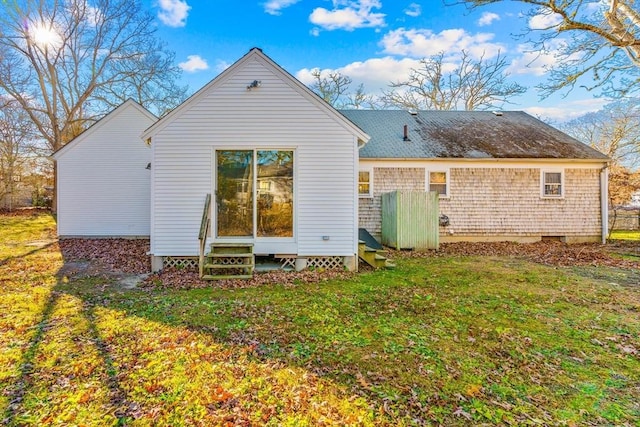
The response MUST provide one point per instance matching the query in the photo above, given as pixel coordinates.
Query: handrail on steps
(204, 231)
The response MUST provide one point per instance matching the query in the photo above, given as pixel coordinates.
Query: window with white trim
(365, 189)
(552, 183)
(438, 181)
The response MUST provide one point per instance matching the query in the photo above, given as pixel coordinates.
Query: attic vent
(413, 112)
(497, 113)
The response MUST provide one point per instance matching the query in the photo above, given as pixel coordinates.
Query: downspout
(604, 202)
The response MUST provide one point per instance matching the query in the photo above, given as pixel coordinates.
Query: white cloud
(598, 6)
(531, 62)
(222, 65)
(565, 111)
(536, 62)
(173, 12)
(274, 7)
(544, 19)
(422, 43)
(94, 16)
(194, 63)
(413, 10)
(375, 73)
(488, 18)
(348, 15)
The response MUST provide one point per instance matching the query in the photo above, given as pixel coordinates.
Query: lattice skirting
(327, 262)
(180, 262)
(287, 261)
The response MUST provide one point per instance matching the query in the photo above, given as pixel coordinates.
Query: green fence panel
(410, 220)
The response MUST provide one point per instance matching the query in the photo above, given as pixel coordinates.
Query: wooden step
(373, 257)
(228, 255)
(224, 266)
(230, 276)
(231, 248)
(239, 256)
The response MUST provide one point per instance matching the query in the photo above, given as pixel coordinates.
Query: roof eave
(489, 159)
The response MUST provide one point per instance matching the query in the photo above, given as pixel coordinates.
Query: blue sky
(371, 41)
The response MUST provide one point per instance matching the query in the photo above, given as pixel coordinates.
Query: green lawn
(443, 340)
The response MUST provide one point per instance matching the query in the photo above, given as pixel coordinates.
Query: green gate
(410, 220)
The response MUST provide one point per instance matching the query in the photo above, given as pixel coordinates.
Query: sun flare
(44, 35)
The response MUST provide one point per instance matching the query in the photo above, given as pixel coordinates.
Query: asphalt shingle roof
(464, 134)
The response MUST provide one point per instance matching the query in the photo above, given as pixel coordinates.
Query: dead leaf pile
(130, 256)
(188, 278)
(544, 252)
(121, 255)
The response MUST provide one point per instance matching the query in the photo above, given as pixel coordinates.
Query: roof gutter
(484, 159)
(604, 202)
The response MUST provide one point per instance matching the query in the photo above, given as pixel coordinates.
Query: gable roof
(465, 135)
(257, 54)
(126, 105)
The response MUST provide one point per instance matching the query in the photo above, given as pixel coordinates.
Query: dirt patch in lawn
(123, 260)
(127, 260)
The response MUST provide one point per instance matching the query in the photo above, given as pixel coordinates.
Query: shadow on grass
(403, 369)
(15, 394)
(23, 384)
(7, 260)
(93, 293)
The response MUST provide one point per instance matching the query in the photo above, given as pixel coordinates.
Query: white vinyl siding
(276, 115)
(103, 183)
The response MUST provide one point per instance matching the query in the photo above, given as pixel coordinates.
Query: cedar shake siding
(386, 180)
(489, 203)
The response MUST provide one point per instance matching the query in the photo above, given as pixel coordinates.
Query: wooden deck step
(374, 257)
(229, 276)
(228, 266)
(225, 257)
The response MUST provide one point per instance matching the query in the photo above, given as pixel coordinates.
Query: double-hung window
(552, 183)
(438, 181)
(365, 187)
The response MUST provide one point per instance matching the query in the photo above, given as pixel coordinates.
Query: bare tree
(67, 63)
(360, 99)
(596, 44)
(335, 88)
(330, 86)
(614, 131)
(470, 85)
(17, 147)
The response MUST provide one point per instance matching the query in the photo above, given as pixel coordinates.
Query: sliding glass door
(234, 193)
(254, 193)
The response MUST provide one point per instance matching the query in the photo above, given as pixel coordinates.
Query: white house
(103, 177)
(288, 175)
(227, 139)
